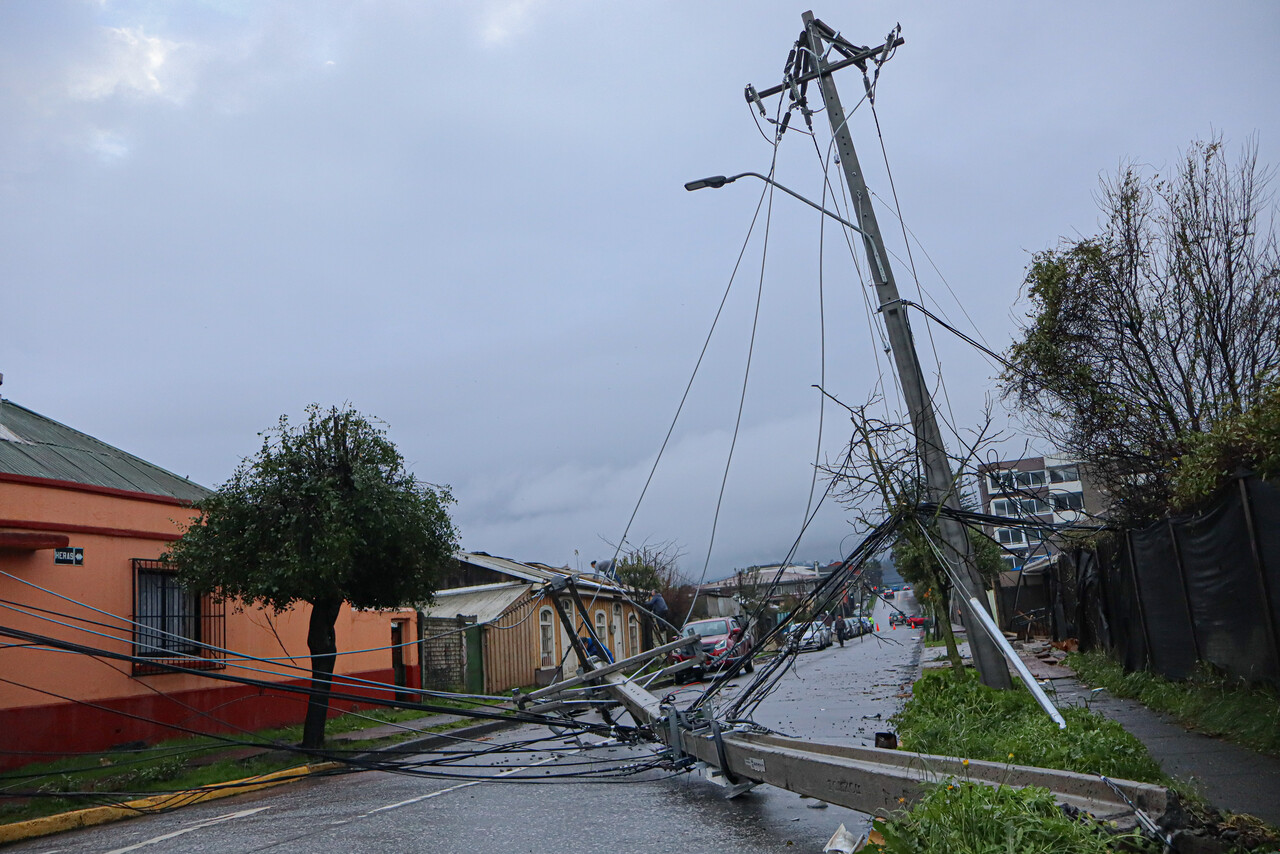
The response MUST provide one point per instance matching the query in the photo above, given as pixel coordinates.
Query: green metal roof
(35, 446)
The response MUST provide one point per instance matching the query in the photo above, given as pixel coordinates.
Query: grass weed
(971, 818)
(959, 716)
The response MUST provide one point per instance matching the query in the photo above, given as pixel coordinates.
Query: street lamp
(715, 182)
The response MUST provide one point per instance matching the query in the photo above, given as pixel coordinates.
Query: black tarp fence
(1203, 588)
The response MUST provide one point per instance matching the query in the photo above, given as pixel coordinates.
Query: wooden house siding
(511, 647)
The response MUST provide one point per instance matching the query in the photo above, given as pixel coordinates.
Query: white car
(812, 636)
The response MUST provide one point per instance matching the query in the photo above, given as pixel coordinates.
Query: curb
(50, 824)
(92, 816)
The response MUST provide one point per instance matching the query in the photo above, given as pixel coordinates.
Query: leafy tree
(918, 564)
(325, 513)
(1250, 440)
(1164, 324)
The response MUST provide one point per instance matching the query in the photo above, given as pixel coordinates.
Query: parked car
(811, 636)
(724, 641)
(915, 621)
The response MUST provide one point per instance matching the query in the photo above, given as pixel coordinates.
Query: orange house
(91, 621)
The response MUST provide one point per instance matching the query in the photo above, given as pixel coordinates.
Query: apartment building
(1052, 490)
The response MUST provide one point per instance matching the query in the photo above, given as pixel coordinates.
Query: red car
(724, 642)
(915, 621)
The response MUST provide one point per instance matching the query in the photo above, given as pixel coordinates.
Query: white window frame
(1015, 537)
(1058, 474)
(1062, 501)
(1034, 506)
(546, 633)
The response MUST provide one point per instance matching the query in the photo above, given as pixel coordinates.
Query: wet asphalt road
(830, 695)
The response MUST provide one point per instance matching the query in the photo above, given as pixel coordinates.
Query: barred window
(172, 625)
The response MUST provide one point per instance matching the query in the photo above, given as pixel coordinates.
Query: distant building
(492, 625)
(1052, 490)
(780, 580)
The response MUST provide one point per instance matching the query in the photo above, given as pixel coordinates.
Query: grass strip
(972, 818)
(1212, 703)
(47, 788)
(959, 716)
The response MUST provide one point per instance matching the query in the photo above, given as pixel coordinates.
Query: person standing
(840, 627)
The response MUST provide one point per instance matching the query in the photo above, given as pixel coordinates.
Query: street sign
(69, 557)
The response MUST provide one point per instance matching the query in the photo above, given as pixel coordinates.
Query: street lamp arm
(715, 182)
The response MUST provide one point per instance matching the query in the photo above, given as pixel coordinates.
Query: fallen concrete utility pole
(866, 779)
(869, 779)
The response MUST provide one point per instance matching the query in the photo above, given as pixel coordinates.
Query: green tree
(325, 513)
(1143, 337)
(918, 564)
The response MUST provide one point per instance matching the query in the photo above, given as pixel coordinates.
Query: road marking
(439, 792)
(197, 826)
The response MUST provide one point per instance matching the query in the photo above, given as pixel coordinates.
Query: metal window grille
(173, 625)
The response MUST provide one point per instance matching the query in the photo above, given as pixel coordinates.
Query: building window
(547, 638)
(1033, 505)
(602, 632)
(1010, 536)
(172, 625)
(633, 634)
(1004, 507)
(1009, 481)
(1064, 474)
(1067, 500)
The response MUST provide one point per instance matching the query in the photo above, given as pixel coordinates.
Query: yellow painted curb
(51, 824)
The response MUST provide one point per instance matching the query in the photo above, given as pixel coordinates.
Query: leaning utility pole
(940, 483)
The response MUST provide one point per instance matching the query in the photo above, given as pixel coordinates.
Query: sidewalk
(1230, 777)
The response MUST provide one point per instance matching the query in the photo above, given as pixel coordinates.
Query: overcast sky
(467, 219)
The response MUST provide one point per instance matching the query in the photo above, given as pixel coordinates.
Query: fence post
(1186, 589)
(1137, 598)
(1267, 601)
